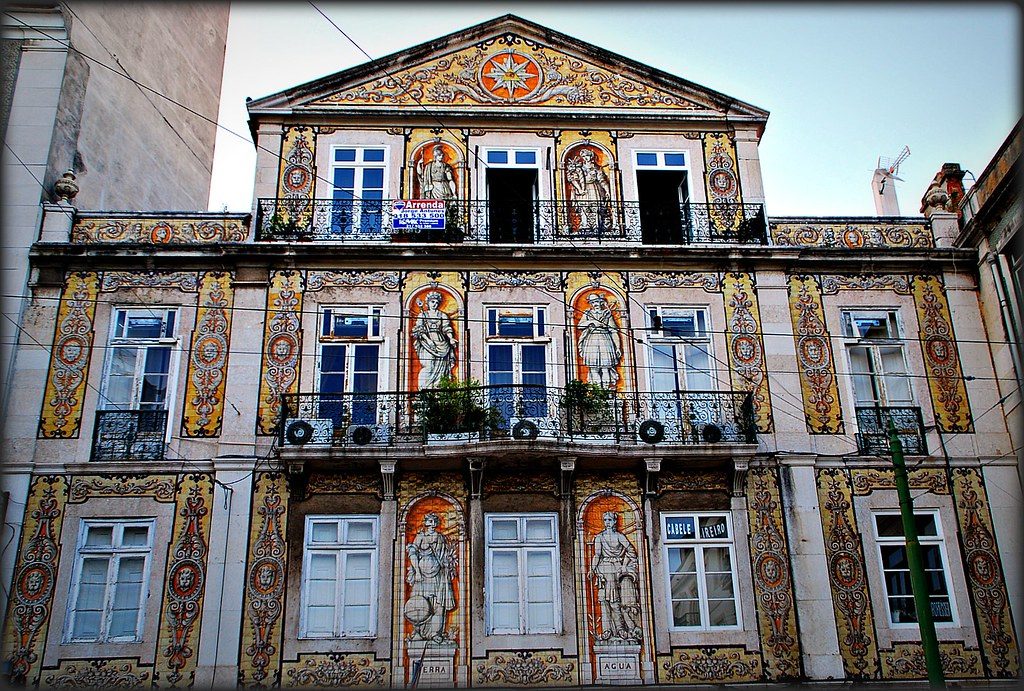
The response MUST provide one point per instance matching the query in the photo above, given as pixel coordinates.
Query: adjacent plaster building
(510, 379)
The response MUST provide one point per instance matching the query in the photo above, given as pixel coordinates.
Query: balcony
(510, 414)
(873, 434)
(543, 222)
(129, 435)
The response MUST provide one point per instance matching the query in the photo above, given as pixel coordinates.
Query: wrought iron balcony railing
(129, 435)
(873, 430)
(542, 222)
(522, 412)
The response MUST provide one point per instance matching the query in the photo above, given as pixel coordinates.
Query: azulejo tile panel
(120, 673)
(941, 356)
(163, 488)
(296, 176)
(525, 668)
(773, 580)
(852, 235)
(185, 582)
(721, 181)
(847, 575)
(158, 231)
(985, 575)
(35, 578)
(282, 347)
(479, 75)
(709, 665)
(817, 366)
(906, 661)
(265, 573)
(746, 346)
(64, 395)
(208, 357)
(867, 480)
(336, 670)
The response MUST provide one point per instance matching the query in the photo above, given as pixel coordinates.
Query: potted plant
(454, 411)
(279, 228)
(586, 406)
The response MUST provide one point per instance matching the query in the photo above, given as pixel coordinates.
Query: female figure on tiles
(436, 178)
(598, 343)
(432, 565)
(591, 192)
(615, 568)
(434, 339)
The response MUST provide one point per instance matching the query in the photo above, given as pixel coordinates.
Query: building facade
(508, 380)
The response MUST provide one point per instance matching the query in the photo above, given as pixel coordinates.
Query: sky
(844, 83)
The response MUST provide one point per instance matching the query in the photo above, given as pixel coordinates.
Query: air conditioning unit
(303, 431)
(361, 435)
(654, 431)
(530, 428)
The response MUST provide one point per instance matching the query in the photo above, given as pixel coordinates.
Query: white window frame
(359, 165)
(116, 341)
(661, 338)
(511, 151)
(373, 312)
(660, 153)
(873, 347)
(521, 547)
(698, 545)
(937, 539)
(340, 549)
(115, 552)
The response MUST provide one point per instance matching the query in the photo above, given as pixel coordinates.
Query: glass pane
(158, 360)
(505, 589)
(894, 557)
(527, 158)
(533, 358)
(863, 388)
(682, 560)
(99, 536)
(360, 531)
(323, 566)
(897, 384)
(504, 564)
(357, 619)
(540, 617)
(345, 155)
(515, 324)
(679, 528)
(686, 613)
(92, 584)
(154, 390)
(321, 592)
(538, 564)
(504, 529)
(127, 596)
(683, 587)
(373, 155)
(539, 530)
(941, 610)
(500, 359)
(122, 361)
(135, 536)
(647, 159)
(320, 620)
(675, 160)
(719, 585)
(373, 178)
(721, 613)
(497, 157)
(366, 358)
(357, 578)
(901, 610)
(698, 368)
(713, 527)
(140, 326)
(505, 617)
(889, 525)
(324, 532)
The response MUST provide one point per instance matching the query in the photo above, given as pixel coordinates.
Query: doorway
(510, 196)
(662, 196)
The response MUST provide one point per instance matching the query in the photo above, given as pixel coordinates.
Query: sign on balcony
(418, 214)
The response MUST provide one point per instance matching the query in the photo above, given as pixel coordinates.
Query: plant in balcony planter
(455, 410)
(279, 226)
(586, 406)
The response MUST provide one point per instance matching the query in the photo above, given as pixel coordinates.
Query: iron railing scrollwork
(129, 435)
(544, 222)
(518, 412)
(873, 430)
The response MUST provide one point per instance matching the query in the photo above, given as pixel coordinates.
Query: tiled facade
(256, 413)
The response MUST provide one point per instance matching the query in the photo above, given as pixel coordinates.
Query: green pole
(922, 602)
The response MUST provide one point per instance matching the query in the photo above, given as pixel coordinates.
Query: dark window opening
(662, 197)
(510, 195)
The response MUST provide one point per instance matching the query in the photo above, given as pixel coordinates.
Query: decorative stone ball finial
(66, 188)
(935, 198)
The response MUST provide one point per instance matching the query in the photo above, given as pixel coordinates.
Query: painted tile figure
(435, 343)
(436, 178)
(615, 569)
(591, 192)
(598, 345)
(432, 568)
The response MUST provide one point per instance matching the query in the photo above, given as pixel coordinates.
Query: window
(512, 158)
(350, 353)
(517, 360)
(140, 360)
(877, 361)
(701, 571)
(359, 177)
(892, 552)
(663, 195)
(522, 582)
(680, 349)
(661, 159)
(108, 586)
(339, 577)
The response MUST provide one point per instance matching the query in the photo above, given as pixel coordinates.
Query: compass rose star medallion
(510, 76)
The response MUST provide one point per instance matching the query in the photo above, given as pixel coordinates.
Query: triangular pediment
(507, 63)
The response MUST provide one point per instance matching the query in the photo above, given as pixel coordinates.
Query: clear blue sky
(845, 83)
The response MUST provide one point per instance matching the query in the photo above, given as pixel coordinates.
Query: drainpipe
(1009, 323)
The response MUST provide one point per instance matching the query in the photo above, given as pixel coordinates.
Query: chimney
(884, 189)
